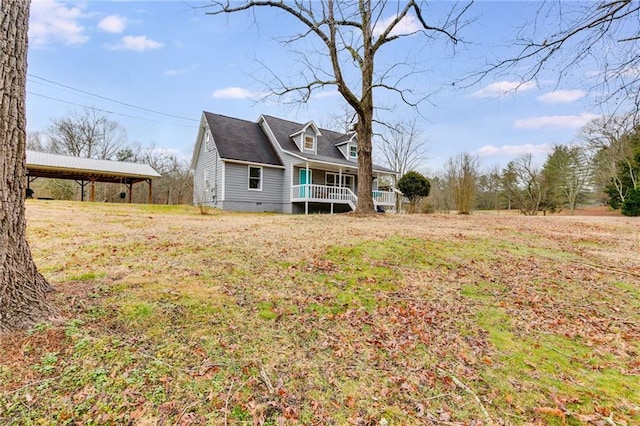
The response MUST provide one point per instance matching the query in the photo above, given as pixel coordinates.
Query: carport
(88, 171)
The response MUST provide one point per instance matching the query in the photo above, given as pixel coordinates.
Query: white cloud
(511, 150)
(51, 21)
(137, 43)
(326, 94)
(562, 96)
(555, 121)
(408, 25)
(113, 24)
(180, 71)
(234, 93)
(502, 88)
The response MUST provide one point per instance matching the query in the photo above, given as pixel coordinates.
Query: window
(330, 179)
(333, 179)
(309, 143)
(353, 151)
(255, 178)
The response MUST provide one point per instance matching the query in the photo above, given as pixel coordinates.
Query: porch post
(130, 191)
(307, 190)
(150, 197)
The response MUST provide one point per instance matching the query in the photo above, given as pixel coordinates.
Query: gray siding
(237, 193)
(207, 192)
(290, 178)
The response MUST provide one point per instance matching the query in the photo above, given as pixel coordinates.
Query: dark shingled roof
(241, 140)
(327, 150)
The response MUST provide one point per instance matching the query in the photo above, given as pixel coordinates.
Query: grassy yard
(171, 317)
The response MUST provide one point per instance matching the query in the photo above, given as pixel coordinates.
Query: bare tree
(341, 121)
(612, 151)
(440, 196)
(36, 142)
(22, 288)
(489, 187)
(176, 184)
(524, 185)
(567, 36)
(351, 34)
(402, 146)
(462, 176)
(88, 135)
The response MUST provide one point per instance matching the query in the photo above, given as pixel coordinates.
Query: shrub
(414, 186)
(631, 205)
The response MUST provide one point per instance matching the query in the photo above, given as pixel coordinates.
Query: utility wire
(107, 111)
(109, 99)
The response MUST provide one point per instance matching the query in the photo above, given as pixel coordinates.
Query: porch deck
(340, 195)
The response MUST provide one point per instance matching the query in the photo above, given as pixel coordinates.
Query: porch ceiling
(347, 169)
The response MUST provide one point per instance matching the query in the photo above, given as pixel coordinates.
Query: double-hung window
(255, 178)
(309, 143)
(353, 151)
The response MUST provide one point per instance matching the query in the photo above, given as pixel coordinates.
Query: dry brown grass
(172, 317)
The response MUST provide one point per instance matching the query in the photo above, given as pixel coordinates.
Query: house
(277, 165)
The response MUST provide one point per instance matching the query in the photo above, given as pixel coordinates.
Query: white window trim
(326, 180)
(249, 178)
(337, 182)
(304, 142)
(353, 156)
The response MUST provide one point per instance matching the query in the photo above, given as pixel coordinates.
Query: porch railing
(384, 198)
(335, 194)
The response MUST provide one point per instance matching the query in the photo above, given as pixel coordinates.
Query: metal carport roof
(42, 164)
(87, 170)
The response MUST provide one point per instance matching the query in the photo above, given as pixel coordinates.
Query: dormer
(349, 147)
(306, 139)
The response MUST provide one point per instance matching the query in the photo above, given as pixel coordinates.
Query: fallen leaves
(358, 323)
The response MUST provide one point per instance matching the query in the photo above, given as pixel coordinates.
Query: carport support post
(150, 198)
(130, 191)
(92, 196)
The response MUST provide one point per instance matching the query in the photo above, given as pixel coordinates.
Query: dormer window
(353, 151)
(309, 143)
(306, 138)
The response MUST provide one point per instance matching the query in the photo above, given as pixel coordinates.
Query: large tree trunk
(364, 127)
(22, 288)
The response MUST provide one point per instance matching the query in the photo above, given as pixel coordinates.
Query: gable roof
(241, 140)
(326, 143)
(304, 128)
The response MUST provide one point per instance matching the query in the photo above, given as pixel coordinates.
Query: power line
(107, 111)
(110, 100)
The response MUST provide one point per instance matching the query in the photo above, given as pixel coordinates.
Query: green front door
(305, 179)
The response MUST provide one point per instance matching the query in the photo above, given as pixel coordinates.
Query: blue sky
(170, 58)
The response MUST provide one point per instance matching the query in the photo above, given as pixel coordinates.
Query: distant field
(172, 317)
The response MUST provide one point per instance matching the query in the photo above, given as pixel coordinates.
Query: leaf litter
(271, 319)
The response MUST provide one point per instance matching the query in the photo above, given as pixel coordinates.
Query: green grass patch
(170, 316)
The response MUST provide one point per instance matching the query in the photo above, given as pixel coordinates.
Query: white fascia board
(196, 150)
(251, 163)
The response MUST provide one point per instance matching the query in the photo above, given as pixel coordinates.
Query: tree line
(90, 134)
(603, 168)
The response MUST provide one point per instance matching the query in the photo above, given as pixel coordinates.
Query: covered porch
(334, 187)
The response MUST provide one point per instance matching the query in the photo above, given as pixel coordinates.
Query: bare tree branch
(351, 34)
(604, 32)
